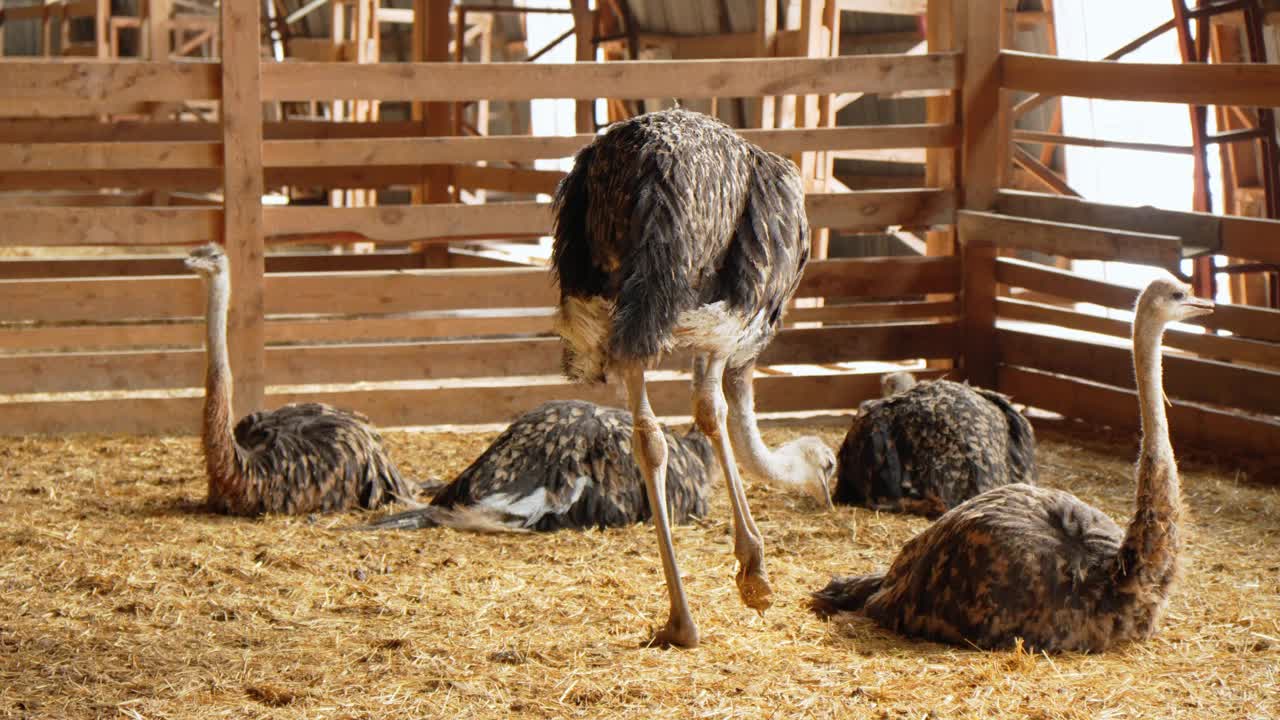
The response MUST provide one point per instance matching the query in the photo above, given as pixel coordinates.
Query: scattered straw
(119, 597)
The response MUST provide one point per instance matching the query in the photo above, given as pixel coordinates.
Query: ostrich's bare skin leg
(711, 412)
(650, 449)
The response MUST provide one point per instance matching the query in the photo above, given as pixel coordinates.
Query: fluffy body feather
(300, 458)
(566, 465)
(1040, 565)
(671, 231)
(930, 447)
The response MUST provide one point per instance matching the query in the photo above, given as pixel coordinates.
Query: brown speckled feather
(568, 464)
(931, 447)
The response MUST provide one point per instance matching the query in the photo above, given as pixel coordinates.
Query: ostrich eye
(1179, 295)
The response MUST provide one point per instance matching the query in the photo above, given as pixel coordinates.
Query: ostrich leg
(711, 412)
(650, 449)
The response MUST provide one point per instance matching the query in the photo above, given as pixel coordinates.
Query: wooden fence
(114, 344)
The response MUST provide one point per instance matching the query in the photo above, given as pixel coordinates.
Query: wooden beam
(1195, 380)
(1216, 347)
(1080, 242)
(890, 7)
(1245, 84)
(1105, 405)
(25, 82)
(243, 187)
(584, 51)
(455, 82)
(109, 226)
(1241, 320)
(1033, 136)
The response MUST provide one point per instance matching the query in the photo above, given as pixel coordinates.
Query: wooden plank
(1245, 84)
(243, 227)
(874, 312)
(1216, 347)
(880, 277)
(506, 179)
(1195, 380)
(892, 7)
(1048, 138)
(79, 372)
(399, 151)
(1118, 408)
(1245, 321)
(96, 81)
(408, 291)
(1250, 238)
(389, 408)
(623, 79)
(983, 167)
(74, 300)
(108, 226)
(90, 130)
(144, 265)
(1200, 230)
(584, 51)
(110, 155)
(100, 338)
(1079, 242)
(863, 210)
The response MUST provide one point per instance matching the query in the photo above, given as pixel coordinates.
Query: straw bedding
(120, 597)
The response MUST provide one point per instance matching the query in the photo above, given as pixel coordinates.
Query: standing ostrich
(565, 464)
(1038, 564)
(672, 232)
(300, 458)
(925, 448)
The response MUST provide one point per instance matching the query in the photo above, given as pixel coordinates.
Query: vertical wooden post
(431, 44)
(983, 155)
(101, 28)
(583, 29)
(941, 163)
(158, 12)
(242, 199)
(766, 45)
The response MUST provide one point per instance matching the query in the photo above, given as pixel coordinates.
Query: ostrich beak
(1198, 306)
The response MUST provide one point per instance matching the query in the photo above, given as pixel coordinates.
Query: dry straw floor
(119, 597)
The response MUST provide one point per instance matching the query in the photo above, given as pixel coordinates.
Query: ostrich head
(896, 382)
(811, 465)
(1166, 300)
(207, 261)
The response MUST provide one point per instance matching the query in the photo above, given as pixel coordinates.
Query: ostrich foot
(753, 585)
(678, 632)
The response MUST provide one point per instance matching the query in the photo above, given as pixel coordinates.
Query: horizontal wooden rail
(1202, 381)
(29, 82)
(855, 211)
(435, 406)
(195, 154)
(144, 265)
(63, 300)
(1047, 138)
(453, 82)
(1116, 407)
(1217, 347)
(1081, 242)
(1246, 84)
(1201, 231)
(108, 226)
(1242, 320)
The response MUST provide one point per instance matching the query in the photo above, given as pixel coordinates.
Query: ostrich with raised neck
(672, 232)
(300, 458)
(1039, 564)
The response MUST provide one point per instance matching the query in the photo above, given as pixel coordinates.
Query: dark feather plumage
(309, 457)
(569, 464)
(668, 212)
(931, 447)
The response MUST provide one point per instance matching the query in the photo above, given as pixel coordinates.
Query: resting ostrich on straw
(565, 464)
(672, 232)
(926, 447)
(298, 459)
(1038, 564)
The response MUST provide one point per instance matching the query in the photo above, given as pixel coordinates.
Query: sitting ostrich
(925, 448)
(565, 464)
(1026, 562)
(300, 458)
(672, 232)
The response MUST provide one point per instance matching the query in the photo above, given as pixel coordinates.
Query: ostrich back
(1015, 562)
(569, 465)
(930, 448)
(666, 213)
(310, 457)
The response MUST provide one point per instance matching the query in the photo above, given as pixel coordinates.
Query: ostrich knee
(650, 445)
(710, 411)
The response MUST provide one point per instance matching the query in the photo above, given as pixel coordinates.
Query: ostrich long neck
(1157, 475)
(219, 442)
(744, 433)
(1148, 559)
